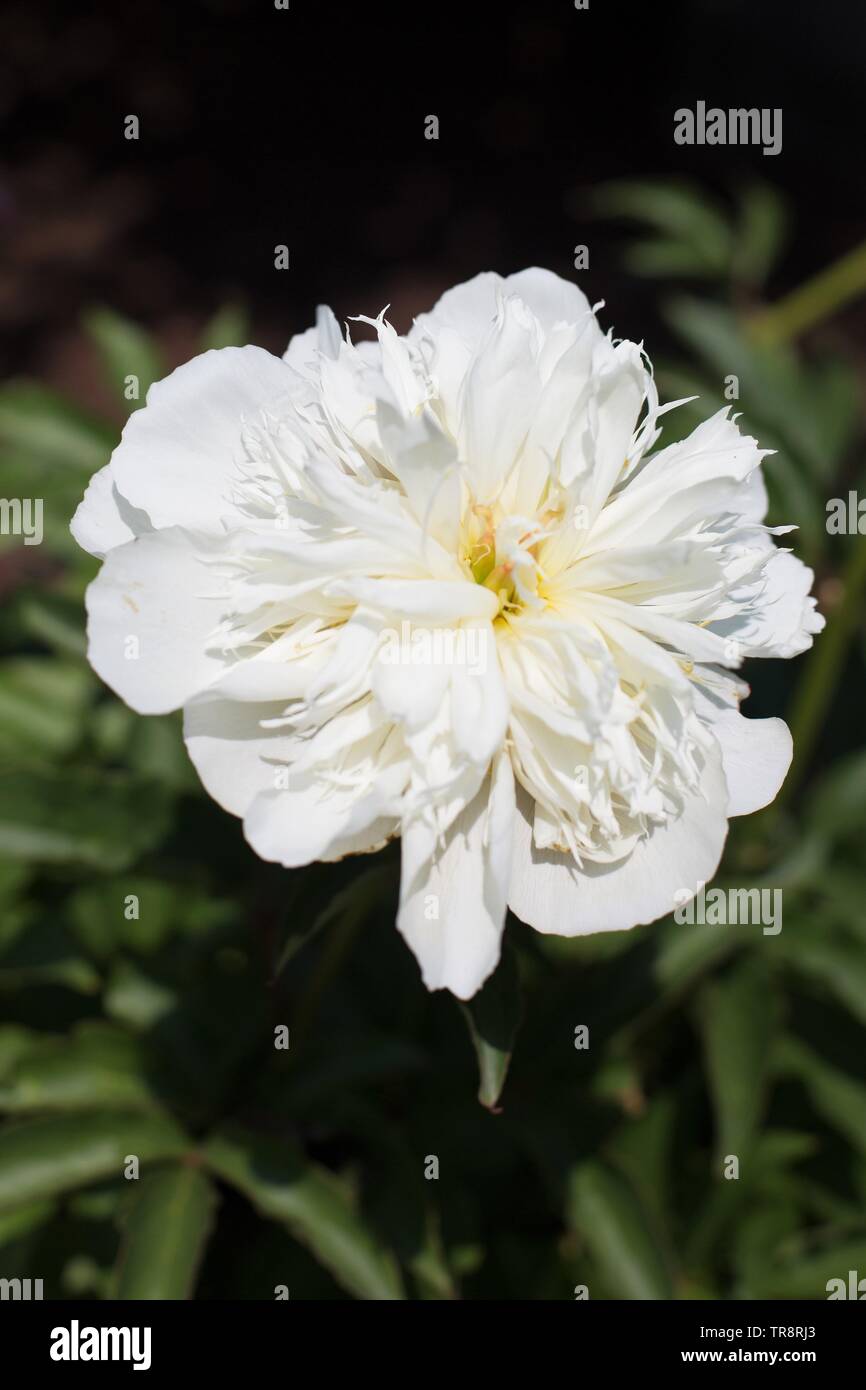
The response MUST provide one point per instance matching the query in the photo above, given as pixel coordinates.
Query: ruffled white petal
(154, 615)
(179, 459)
(756, 755)
(104, 519)
(548, 892)
(453, 896)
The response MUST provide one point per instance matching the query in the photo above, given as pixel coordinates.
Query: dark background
(306, 127)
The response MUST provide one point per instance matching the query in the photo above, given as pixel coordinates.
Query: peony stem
(800, 310)
(824, 669)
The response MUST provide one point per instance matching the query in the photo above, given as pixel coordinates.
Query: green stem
(817, 685)
(819, 297)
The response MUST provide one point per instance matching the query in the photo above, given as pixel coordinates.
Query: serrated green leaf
(313, 1204)
(165, 1232)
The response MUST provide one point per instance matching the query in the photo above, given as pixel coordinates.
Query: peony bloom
(441, 587)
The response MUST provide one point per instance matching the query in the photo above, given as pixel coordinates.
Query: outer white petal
(467, 309)
(465, 882)
(230, 749)
(309, 820)
(178, 457)
(157, 590)
(551, 299)
(756, 755)
(550, 893)
(470, 308)
(104, 519)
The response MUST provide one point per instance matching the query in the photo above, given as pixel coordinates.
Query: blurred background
(308, 1170)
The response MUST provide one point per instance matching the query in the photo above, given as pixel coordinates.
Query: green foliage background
(305, 1168)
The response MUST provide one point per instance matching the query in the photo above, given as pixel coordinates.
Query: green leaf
(807, 1276)
(493, 1017)
(604, 1210)
(684, 213)
(43, 955)
(56, 620)
(94, 1067)
(42, 706)
(38, 424)
(838, 803)
(667, 258)
(46, 1157)
(20, 1221)
(98, 914)
(80, 817)
(165, 1234)
(314, 1205)
(764, 222)
(229, 327)
(126, 351)
(133, 998)
(156, 751)
(835, 1095)
(15, 1043)
(838, 966)
(775, 391)
(736, 1024)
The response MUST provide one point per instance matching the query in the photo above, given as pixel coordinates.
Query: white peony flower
(288, 543)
